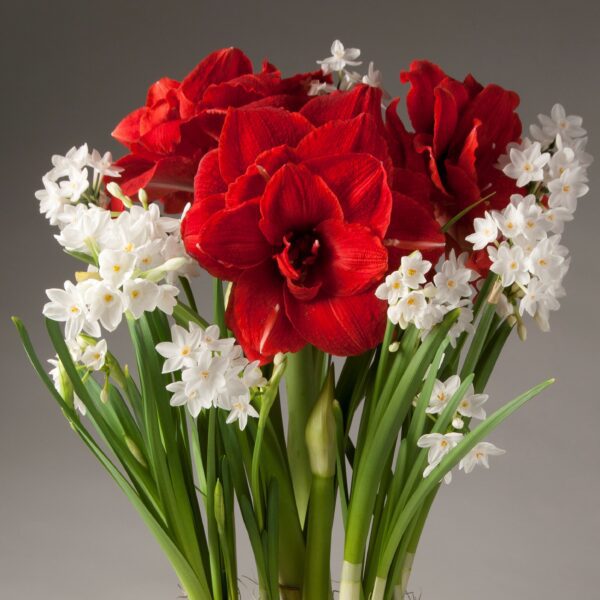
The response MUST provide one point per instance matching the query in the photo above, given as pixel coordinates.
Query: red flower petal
(360, 183)
(208, 180)
(160, 179)
(252, 183)
(159, 90)
(221, 65)
(249, 131)
(192, 227)
(423, 76)
(495, 108)
(400, 141)
(232, 237)
(450, 96)
(351, 258)
(412, 227)
(345, 105)
(128, 130)
(256, 314)
(296, 200)
(360, 134)
(344, 326)
(240, 91)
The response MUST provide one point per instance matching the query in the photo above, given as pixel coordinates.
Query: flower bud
(278, 359)
(158, 273)
(137, 453)
(219, 508)
(143, 198)
(81, 276)
(114, 189)
(394, 347)
(522, 331)
(320, 432)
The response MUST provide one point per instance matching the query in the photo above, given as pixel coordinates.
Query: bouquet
(366, 278)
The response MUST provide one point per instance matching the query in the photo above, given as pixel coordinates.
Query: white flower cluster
(67, 183)
(134, 258)
(470, 407)
(340, 58)
(214, 372)
(413, 300)
(523, 240)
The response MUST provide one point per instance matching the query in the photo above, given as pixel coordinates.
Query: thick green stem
(301, 388)
(317, 575)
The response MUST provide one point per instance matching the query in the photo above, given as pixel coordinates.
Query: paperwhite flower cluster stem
(414, 300)
(214, 373)
(134, 257)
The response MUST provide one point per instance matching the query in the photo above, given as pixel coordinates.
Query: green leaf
(464, 212)
(195, 588)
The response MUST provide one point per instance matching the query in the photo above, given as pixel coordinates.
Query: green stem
(317, 575)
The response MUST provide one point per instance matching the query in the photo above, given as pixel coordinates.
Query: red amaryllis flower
(181, 121)
(460, 130)
(295, 209)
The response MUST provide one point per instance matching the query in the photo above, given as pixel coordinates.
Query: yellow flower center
(185, 351)
(108, 298)
(116, 268)
(135, 293)
(514, 265)
(411, 272)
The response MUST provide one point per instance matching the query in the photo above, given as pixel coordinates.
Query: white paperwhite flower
(183, 350)
(87, 227)
(409, 308)
(103, 164)
(392, 289)
(556, 218)
(183, 395)
(319, 88)
(526, 164)
(240, 410)
(106, 304)
(349, 80)
(206, 377)
(453, 280)
(52, 200)
(510, 263)
(373, 77)
(74, 159)
(252, 375)
(140, 295)
(486, 232)
(568, 126)
(531, 221)
(510, 221)
(94, 355)
(68, 306)
(561, 160)
(167, 298)
(116, 266)
(479, 456)
(442, 392)
(539, 297)
(413, 269)
(471, 405)
(340, 57)
(462, 324)
(439, 445)
(209, 340)
(54, 373)
(565, 190)
(76, 184)
(546, 259)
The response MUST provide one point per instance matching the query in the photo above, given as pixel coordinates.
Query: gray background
(529, 528)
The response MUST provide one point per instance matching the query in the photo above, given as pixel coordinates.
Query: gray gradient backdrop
(529, 528)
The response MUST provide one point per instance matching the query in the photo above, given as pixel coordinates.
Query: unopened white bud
(278, 358)
(394, 346)
(114, 189)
